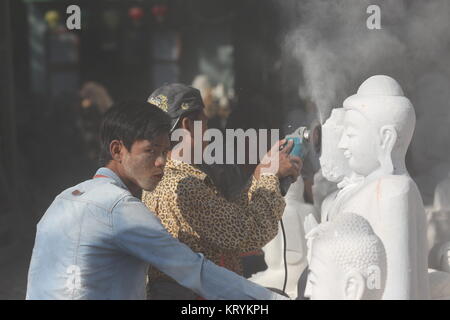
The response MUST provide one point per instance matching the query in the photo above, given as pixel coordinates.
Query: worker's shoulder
(175, 180)
(104, 193)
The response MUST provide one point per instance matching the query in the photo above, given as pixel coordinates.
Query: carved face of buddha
(347, 261)
(359, 143)
(332, 161)
(379, 124)
(327, 280)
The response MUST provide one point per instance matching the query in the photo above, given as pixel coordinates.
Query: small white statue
(334, 165)
(445, 257)
(379, 124)
(322, 189)
(440, 276)
(440, 257)
(347, 261)
(296, 255)
(332, 160)
(438, 218)
(439, 284)
(438, 231)
(442, 195)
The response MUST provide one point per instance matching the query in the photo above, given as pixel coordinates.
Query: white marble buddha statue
(439, 258)
(334, 165)
(438, 230)
(347, 261)
(442, 195)
(439, 276)
(321, 189)
(332, 161)
(378, 127)
(293, 218)
(445, 257)
(438, 218)
(439, 284)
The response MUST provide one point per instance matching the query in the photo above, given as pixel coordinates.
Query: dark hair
(128, 122)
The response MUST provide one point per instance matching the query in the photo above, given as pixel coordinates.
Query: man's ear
(116, 150)
(355, 286)
(186, 123)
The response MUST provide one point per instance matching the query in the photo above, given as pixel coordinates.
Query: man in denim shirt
(97, 239)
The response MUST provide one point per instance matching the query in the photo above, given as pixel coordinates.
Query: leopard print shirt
(193, 211)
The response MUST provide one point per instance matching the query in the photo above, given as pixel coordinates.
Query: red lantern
(159, 11)
(136, 13)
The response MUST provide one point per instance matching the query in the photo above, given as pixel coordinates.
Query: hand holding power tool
(303, 139)
(278, 161)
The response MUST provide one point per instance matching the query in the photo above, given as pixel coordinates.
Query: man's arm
(138, 232)
(228, 225)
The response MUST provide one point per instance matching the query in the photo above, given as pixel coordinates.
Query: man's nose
(161, 161)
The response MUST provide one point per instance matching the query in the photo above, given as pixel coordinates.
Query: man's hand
(279, 162)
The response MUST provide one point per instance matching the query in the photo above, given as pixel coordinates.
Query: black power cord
(284, 256)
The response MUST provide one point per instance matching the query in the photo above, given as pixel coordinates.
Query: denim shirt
(96, 241)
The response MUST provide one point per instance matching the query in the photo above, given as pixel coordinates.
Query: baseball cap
(178, 100)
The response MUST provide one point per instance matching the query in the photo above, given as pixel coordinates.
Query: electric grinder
(305, 139)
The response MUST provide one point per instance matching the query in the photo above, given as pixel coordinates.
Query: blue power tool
(304, 139)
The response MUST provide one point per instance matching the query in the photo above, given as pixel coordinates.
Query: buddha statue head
(332, 161)
(347, 261)
(378, 127)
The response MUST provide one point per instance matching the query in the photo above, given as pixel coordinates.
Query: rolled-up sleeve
(138, 232)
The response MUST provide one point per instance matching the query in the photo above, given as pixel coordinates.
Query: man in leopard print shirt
(193, 210)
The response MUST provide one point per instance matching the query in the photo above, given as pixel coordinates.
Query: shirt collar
(185, 168)
(111, 174)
